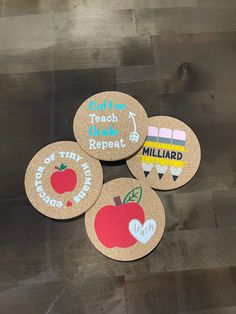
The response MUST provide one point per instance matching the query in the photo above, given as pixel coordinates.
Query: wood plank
(26, 297)
(215, 182)
(218, 131)
(55, 42)
(187, 290)
(137, 80)
(224, 203)
(81, 296)
(99, 53)
(61, 5)
(26, 49)
(151, 4)
(217, 3)
(185, 20)
(194, 249)
(208, 58)
(225, 310)
(93, 23)
(25, 7)
(200, 62)
(194, 107)
(108, 268)
(72, 55)
(186, 211)
(16, 34)
(26, 88)
(94, 295)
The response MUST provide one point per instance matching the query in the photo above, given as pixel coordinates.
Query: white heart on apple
(142, 233)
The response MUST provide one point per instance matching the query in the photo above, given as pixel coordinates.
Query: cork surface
(170, 155)
(127, 221)
(110, 126)
(62, 181)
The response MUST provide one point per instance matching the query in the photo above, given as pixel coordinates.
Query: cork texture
(110, 126)
(62, 181)
(170, 155)
(127, 221)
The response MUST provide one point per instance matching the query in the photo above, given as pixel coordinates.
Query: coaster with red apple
(62, 181)
(110, 125)
(127, 221)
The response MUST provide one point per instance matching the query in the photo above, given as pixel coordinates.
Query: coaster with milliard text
(110, 126)
(62, 181)
(127, 221)
(170, 155)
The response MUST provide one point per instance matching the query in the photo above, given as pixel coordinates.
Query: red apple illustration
(112, 223)
(63, 180)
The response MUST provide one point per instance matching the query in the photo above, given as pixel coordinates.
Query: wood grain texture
(194, 249)
(92, 23)
(223, 310)
(208, 60)
(23, 7)
(184, 20)
(216, 3)
(80, 54)
(224, 206)
(153, 293)
(185, 211)
(177, 57)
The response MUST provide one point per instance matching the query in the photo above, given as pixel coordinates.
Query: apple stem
(57, 168)
(117, 200)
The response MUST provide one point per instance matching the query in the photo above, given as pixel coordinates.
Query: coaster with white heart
(142, 233)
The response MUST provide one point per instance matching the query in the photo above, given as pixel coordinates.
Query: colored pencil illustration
(151, 137)
(179, 139)
(161, 170)
(163, 150)
(147, 168)
(164, 138)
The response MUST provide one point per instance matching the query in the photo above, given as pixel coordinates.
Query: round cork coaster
(170, 155)
(62, 181)
(111, 126)
(127, 221)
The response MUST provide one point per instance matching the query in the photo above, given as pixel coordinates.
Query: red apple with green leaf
(112, 222)
(63, 180)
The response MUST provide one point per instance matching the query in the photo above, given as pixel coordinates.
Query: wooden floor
(178, 57)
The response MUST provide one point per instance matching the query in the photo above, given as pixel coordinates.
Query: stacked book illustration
(163, 150)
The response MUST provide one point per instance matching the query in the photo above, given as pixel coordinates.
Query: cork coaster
(127, 221)
(62, 181)
(170, 155)
(111, 126)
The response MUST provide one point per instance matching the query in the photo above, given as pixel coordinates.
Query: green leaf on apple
(62, 167)
(133, 196)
